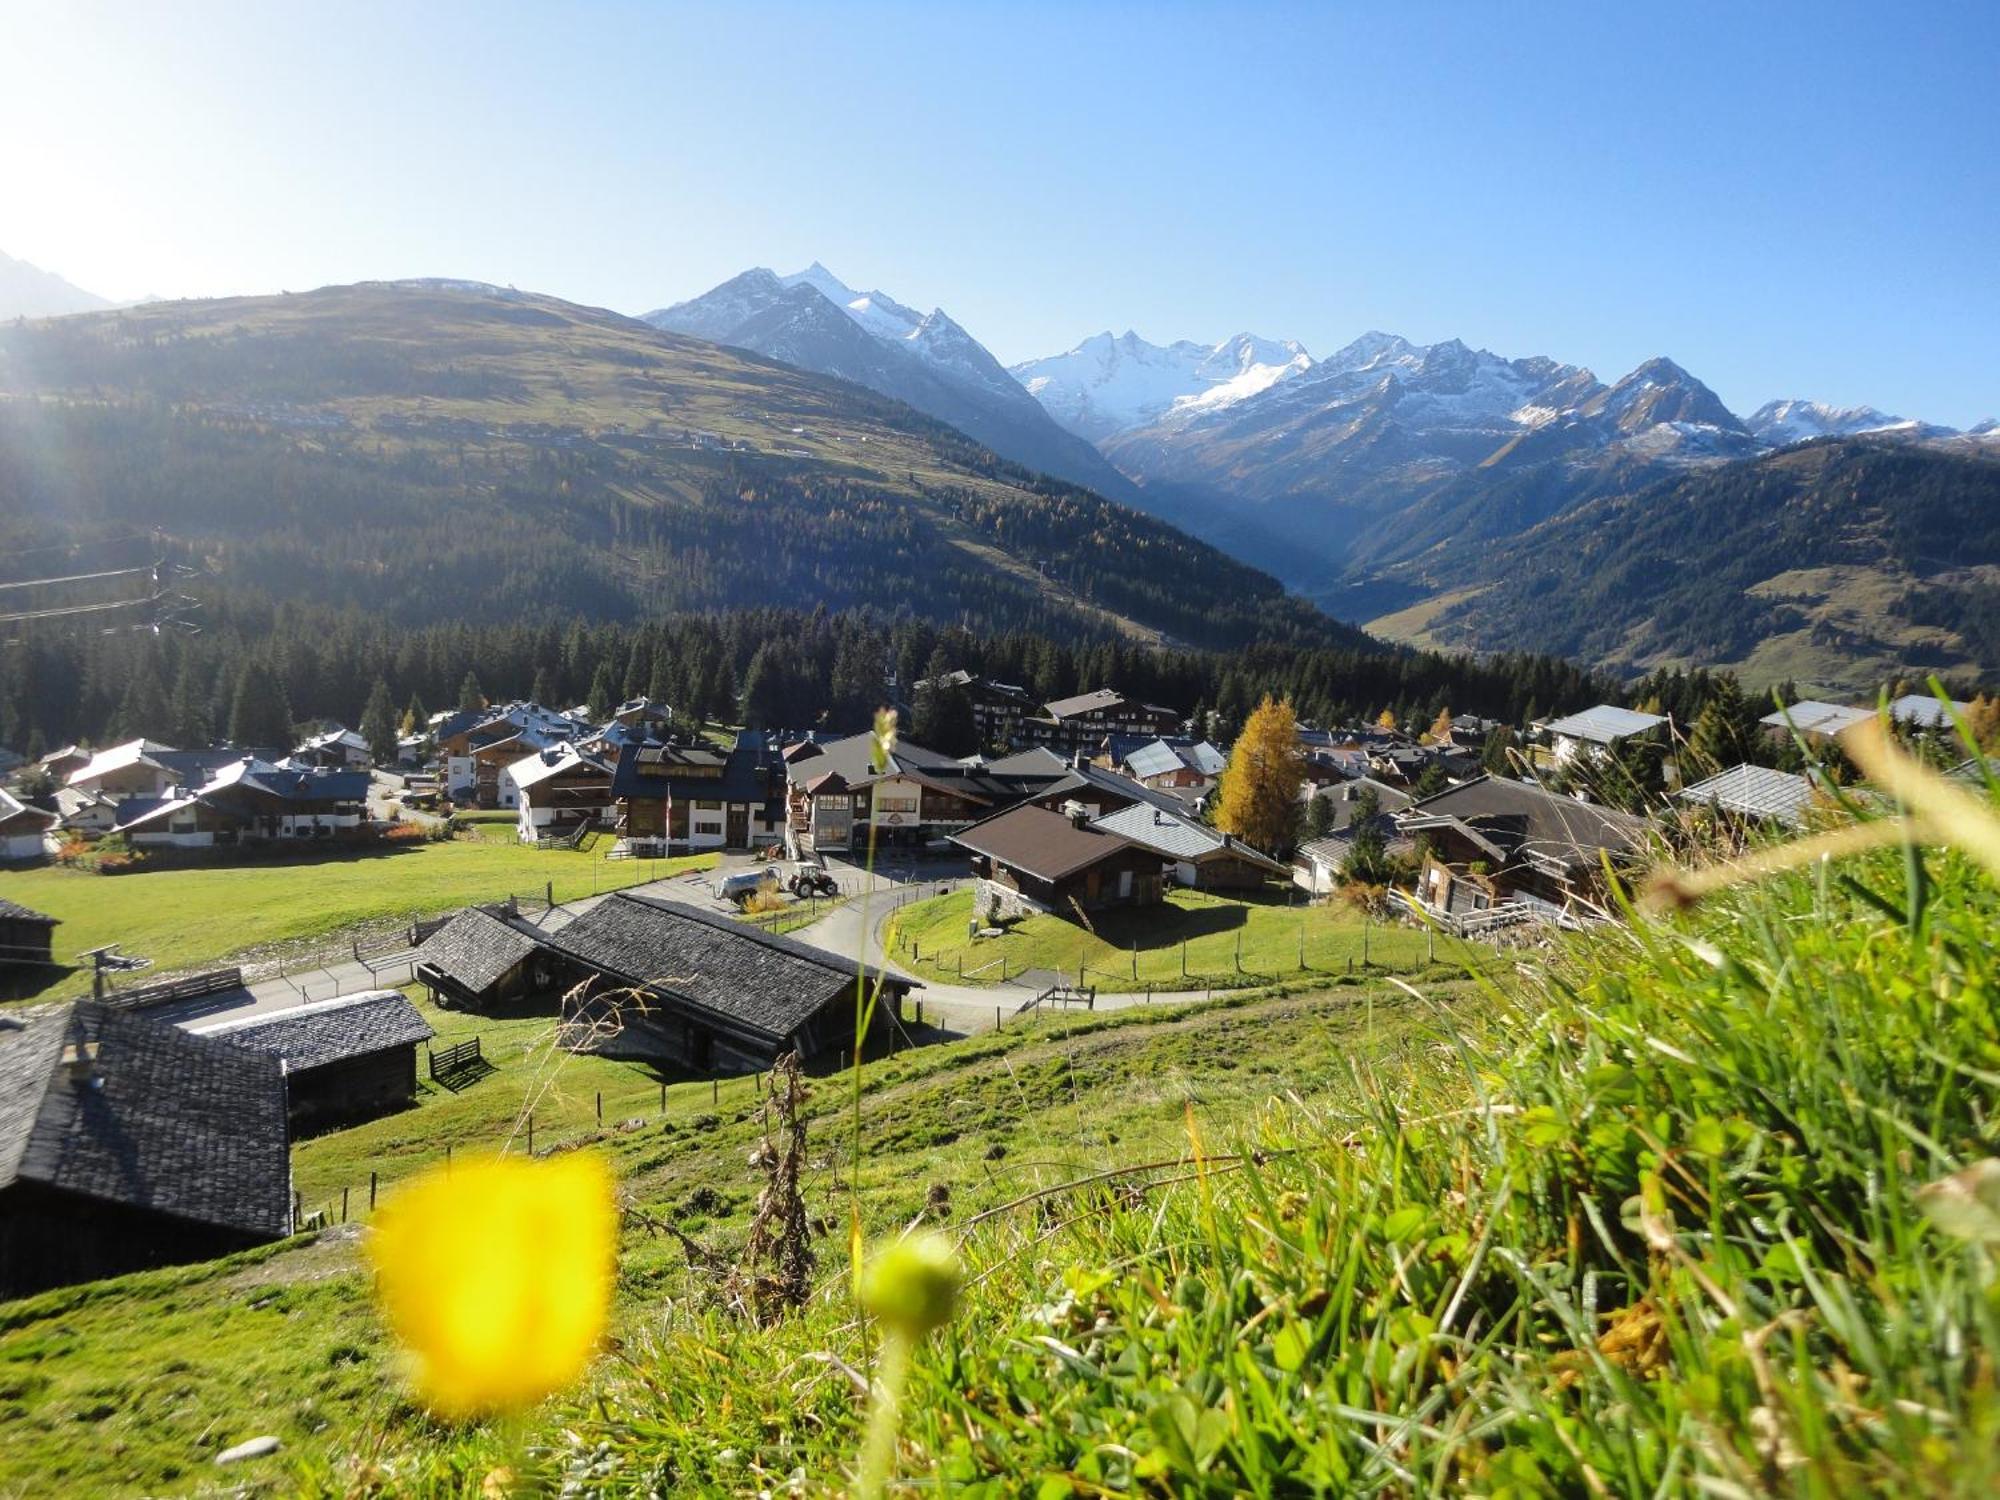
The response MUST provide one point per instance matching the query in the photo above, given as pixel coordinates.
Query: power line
(152, 568)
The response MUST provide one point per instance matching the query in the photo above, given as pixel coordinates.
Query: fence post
(997, 1023)
(1183, 958)
(1430, 943)
(531, 1132)
(298, 1210)
(1239, 950)
(371, 1190)
(600, 1109)
(1364, 942)
(1135, 960)
(447, 1159)
(715, 1092)
(1302, 942)
(663, 1099)
(343, 1205)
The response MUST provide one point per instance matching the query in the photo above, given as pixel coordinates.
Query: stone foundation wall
(986, 894)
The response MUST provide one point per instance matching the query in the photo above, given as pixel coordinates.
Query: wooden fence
(187, 987)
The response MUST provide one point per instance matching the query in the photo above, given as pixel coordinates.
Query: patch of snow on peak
(1111, 383)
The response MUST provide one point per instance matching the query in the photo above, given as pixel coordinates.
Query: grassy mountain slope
(1839, 564)
(436, 452)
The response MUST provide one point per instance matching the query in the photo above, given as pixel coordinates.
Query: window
(708, 807)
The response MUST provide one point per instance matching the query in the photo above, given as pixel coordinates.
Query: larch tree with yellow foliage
(1260, 790)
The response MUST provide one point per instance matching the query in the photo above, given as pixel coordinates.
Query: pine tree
(544, 691)
(259, 716)
(765, 689)
(660, 685)
(378, 724)
(1497, 754)
(192, 726)
(603, 694)
(1319, 817)
(1260, 790)
(470, 698)
(944, 719)
(414, 717)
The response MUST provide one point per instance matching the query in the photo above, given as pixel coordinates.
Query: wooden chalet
(677, 798)
(126, 1143)
(706, 991)
(1193, 854)
(1084, 721)
(479, 959)
(345, 1060)
(558, 790)
(23, 829)
(1030, 859)
(836, 790)
(27, 938)
(1495, 842)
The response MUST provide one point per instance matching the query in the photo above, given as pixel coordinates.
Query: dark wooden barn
(479, 960)
(710, 992)
(126, 1143)
(27, 938)
(345, 1060)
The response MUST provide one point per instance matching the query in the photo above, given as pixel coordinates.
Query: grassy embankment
(130, 1386)
(1654, 1223)
(1193, 939)
(186, 917)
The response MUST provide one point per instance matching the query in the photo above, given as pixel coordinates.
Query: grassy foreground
(130, 1386)
(1662, 1220)
(1190, 940)
(186, 917)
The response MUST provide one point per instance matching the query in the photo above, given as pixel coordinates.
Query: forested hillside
(424, 453)
(257, 664)
(1839, 563)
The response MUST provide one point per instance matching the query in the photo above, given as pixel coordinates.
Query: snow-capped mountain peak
(1109, 383)
(1796, 421)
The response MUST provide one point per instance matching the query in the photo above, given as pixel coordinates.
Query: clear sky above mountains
(1790, 200)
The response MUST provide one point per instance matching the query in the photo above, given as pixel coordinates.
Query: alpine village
(743, 899)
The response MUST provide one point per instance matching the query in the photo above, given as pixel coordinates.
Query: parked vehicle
(810, 878)
(741, 886)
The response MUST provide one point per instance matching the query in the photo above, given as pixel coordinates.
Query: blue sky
(1788, 199)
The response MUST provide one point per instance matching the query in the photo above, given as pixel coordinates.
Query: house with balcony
(1083, 722)
(679, 798)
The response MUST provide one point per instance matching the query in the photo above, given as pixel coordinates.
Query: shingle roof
(1605, 723)
(769, 983)
(1753, 792)
(13, 911)
(153, 1117)
(476, 949)
(1045, 844)
(854, 758)
(1810, 716)
(329, 1031)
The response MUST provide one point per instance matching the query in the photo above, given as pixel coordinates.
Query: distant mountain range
(30, 292)
(437, 450)
(814, 321)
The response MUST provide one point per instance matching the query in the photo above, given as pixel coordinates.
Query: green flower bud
(912, 1285)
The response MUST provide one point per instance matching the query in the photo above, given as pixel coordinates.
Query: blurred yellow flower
(496, 1278)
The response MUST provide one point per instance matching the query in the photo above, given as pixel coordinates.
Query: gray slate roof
(329, 1031)
(1753, 792)
(158, 1119)
(13, 911)
(476, 949)
(1516, 819)
(766, 982)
